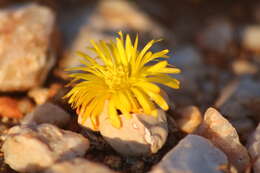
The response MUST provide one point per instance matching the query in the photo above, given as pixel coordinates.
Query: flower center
(118, 78)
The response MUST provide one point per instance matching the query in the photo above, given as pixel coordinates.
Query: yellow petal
(158, 99)
(143, 100)
(156, 67)
(165, 80)
(148, 86)
(113, 117)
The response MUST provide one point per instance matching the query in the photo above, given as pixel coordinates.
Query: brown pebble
(9, 108)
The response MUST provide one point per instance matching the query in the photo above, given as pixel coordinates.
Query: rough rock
(48, 113)
(27, 46)
(102, 22)
(244, 127)
(251, 38)
(242, 102)
(35, 148)
(25, 105)
(190, 118)
(222, 134)
(9, 107)
(39, 95)
(78, 165)
(140, 135)
(254, 148)
(243, 67)
(217, 35)
(193, 154)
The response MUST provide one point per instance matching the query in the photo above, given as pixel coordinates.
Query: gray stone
(217, 35)
(241, 102)
(254, 148)
(222, 134)
(193, 154)
(31, 149)
(27, 46)
(78, 165)
(47, 113)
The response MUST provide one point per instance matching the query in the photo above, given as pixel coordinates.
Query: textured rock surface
(217, 35)
(39, 95)
(27, 51)
(193, 154)
(254, 148)
(9, 107)
(140, 135)
(251, 37)
(222, 134)
(78, 165)
(190, 118)
(243, 101)
(48, 113)
(32, 149)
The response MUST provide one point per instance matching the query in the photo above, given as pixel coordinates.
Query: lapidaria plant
(123, 78)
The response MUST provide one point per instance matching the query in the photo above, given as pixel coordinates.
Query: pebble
(39, 95)
(254, 148)
(48, 113)
(140, 135)
(9, 107)
(222, 134)
(31, 149)
(25, 105)
(190, 118)
(27, 46)
(244, 127)
(251, 38)
(241, 101)
(193, 154)
(217, 35)
(78, 165)
(243, 67)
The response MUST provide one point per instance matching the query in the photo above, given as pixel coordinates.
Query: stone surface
(27, 46)
(103, 21)
(39, 95)
(222, 134)
(242, 102)
(243, 67)
(25, 105)
(78, 165)
(254, 148)
(193, 154)
(217, 35)
(9, 107)
(48, 113)
(190, 118)
(251, 38)
(31, 149)
(140, 135)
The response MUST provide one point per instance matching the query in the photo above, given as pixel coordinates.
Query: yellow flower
(120, 75)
